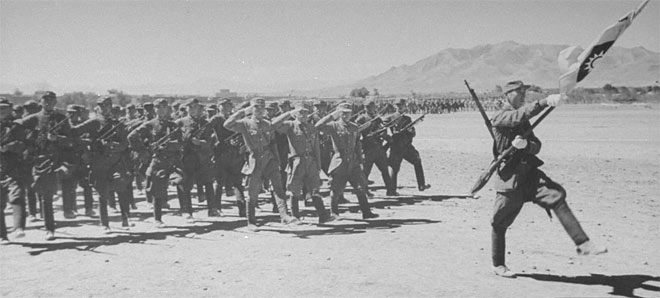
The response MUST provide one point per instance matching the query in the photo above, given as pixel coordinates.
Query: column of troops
(150, 147)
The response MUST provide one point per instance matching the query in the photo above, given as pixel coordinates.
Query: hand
(554, 100)
(195, 141)
(63, 169)
(519, 143)
(51, 137)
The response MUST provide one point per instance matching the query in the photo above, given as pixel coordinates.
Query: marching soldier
(372, 145)
(70, 182)
(84, 159)
(14, 174)
(263, 160)
(520, 180)
(227, 158)
(345, 164)
(304, 159)
(164, 139)
(149, 112)
(196, 159)
(51, 134)
(109, 169)
(324, 139)
(402, 148)
(30, 107)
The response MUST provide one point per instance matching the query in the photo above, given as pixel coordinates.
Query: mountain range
(486, 66)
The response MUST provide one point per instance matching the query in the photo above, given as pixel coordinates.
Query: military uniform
(14, 174)
(345, 164)
(402, 148)
(109, 168)
(304, 162)
(197, 160)
(519, 180)
(228, 160)
(165, 159)
(374, 151)
(263, 161)
(48, 160)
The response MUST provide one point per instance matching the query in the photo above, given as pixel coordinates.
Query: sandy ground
(430, 244)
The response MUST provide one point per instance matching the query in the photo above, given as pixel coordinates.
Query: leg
(125, 207)
(337, 186)
(412, 156)
(551, 195)
(357, 180)
(506, 208)
(381, 164)
(395, 163)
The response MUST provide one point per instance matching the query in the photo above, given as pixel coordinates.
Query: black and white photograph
(330, 148)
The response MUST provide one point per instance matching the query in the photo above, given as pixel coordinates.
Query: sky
(269, 45)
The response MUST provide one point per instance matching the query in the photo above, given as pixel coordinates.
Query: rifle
(485, 176)
(162, 141)
(384, 128)
(481, 109)
(7, 136)
(411, 124)
(110, 132)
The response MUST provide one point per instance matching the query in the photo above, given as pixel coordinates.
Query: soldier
(14, 174)
(304, 159)
(324, 139)
(149, 112)
(211, 111)
(164, 138)
(30, 107)
(263, 161)
(131, 112)
(520, 180)
(402, 148)
(196, 158)
(51, 134)
(18, 111)
(83, 168)
(283, 143)
(372, 145)
(345, 164)
(109, 169)
(72, 157)
(227, 158)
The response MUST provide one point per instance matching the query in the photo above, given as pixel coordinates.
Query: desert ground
(425, 244)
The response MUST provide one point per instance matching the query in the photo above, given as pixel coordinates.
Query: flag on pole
(576, 67)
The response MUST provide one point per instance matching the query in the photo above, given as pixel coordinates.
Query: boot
(589, 248)
(295, 209)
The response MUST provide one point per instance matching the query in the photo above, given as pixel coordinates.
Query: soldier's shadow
(622, 285)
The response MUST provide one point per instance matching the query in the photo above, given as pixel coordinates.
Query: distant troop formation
(218, 149)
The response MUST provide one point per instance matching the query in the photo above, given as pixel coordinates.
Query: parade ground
(434, 243)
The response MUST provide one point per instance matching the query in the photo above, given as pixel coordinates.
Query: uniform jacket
(258, 136)
(12, 163)
(47, 154)
(515, 172)
(347, 148)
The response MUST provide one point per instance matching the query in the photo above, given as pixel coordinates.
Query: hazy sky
(265, 43)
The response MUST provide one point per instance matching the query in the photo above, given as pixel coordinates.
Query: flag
(576, 67)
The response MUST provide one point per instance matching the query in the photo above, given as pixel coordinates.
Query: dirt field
(431, 244)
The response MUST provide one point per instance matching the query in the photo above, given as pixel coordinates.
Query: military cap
(285, 103)
(160, 101)
(49, 95)
(103, 100)
(226, 101)
(139, 107)
(245, 105)
(30, 103)
(258, 101)
(192, 101)
(303, 106)
(79, 108)
(130, 106)
(272, 106)
(514, 85)
(116, 107)
(71, 108)
(5, 102)
(212, 107)
(148, 105)
(18, 108)
(401, 101)
(369, 102)
(344, 107)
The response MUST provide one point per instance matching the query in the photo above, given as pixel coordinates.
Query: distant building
(225, 93)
